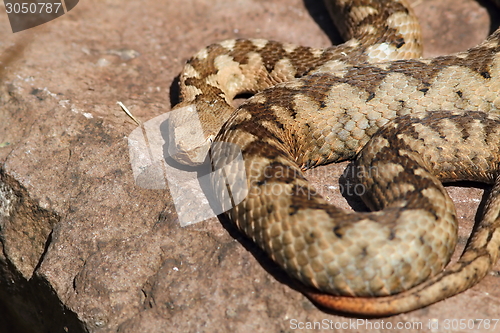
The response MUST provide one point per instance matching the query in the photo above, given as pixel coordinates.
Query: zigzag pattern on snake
(379, 263)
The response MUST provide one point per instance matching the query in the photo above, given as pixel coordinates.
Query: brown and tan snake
(320, 106)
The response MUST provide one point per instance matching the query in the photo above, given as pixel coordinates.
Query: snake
(409, 123)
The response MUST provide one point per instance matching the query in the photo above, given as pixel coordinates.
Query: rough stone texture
(86, 250)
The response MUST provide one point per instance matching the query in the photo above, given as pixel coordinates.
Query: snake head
(188, 143)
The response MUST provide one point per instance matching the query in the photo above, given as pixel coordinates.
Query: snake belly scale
(318, 106)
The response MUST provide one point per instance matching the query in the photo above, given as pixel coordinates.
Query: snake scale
(314, 107)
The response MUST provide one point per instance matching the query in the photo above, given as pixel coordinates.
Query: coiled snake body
(390, 260)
